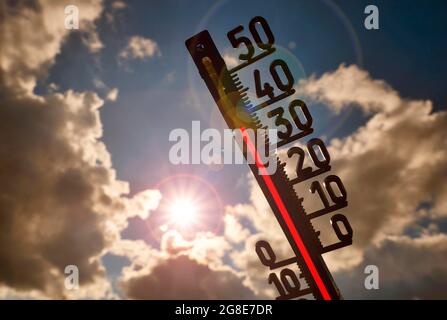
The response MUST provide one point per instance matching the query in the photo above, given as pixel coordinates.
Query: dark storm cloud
(184, 278)
(389, 166)
(48, 191)
(392, 164)
(60, 202)
(408, 269)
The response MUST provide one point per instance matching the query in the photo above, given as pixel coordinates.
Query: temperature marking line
(286, 216)
(314, 174)
(327, 210)
(295, 137)
(249, 62)
(271, 101)
(291, 295)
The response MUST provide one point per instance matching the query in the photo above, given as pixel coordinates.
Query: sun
(190, 205)
(183, 212)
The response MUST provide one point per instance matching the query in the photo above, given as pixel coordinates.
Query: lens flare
(189, 205)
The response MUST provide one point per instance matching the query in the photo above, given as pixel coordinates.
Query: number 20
(322, 165)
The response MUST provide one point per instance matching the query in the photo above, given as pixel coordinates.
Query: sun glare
(183, 212)
(190, 205)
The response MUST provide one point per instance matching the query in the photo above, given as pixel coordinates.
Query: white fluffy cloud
(351, 85)
(140, 48)
(29, 54)
(230, 60)
(112, 95)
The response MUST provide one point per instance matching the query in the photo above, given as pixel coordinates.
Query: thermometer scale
(239, 113)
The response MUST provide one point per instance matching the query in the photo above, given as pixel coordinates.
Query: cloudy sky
(85, 117)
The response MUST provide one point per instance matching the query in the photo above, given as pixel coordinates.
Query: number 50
(264, 45)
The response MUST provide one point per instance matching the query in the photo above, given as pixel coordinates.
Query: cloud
(195, 281)
(28, 56)
(393, 168)
(173, 243)
(230, 60)
(139, 48)
(392, 164)
(255, 222)
(113, 14)
(181, 269)
(60, 201)
(112, 95)
(99, 84)
(351, 85)
(52, 87)
(408, 269)
(234, 231)
(90, 37)
(118, 5)
(403, 140)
